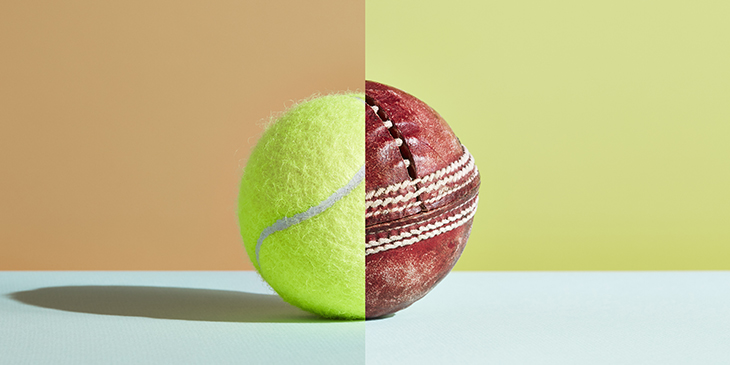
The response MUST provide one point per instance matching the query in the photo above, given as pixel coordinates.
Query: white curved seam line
(287, 222)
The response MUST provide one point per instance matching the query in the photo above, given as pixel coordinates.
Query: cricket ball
(421, 195)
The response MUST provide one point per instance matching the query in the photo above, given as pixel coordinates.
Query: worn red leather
(421, 195)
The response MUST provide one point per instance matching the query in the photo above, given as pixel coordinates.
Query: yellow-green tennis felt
(315, 149)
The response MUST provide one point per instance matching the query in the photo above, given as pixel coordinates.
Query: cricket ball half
(421, 195)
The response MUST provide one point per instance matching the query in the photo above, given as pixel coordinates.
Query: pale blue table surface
(470, 318)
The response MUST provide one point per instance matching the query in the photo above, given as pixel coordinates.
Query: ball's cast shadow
(167, 303)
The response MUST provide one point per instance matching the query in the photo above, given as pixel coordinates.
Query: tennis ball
(301, 206)
(422, 193)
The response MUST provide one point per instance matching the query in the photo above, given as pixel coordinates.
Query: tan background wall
(124, 126)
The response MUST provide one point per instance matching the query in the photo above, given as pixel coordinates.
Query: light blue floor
(470, 318)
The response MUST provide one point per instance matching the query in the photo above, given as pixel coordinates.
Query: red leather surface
(440, 183)
(384, 165)
(397, 278)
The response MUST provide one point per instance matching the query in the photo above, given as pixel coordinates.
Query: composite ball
(355, 206)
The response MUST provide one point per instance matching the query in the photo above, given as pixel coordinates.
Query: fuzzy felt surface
(313, 150)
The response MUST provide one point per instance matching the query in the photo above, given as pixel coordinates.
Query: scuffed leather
(398, 277)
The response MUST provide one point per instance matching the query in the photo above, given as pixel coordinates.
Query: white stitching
(423, 236)
(435, 175)
(433, 186)
(429, 201)
(421, 229)
(388, 125)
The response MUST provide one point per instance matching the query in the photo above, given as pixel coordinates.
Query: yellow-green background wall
(601, 129)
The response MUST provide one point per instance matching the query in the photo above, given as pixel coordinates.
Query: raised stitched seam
(469, 214)
(435, 175)
(429, 201)
(441, 195)
(428, 188)
(425, 226)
